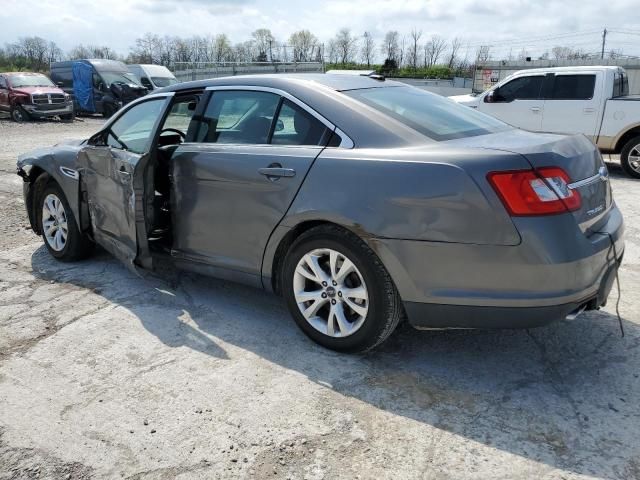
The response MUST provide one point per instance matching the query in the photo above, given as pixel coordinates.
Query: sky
(507, 25)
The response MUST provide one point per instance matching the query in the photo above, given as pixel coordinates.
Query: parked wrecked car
(358, 200)
(97, 85)
(25, 95)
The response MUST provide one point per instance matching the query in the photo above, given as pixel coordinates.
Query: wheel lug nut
(334, 283)
(324, 295)
(333, 302)
(324, 284)
(339, 294)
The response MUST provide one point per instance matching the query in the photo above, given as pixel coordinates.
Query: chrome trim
(70, 172)
(346, 141)
(602, 176)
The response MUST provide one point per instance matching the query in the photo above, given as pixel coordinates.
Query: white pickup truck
(594, 101)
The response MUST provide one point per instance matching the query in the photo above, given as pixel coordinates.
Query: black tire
(78, 245)
(108, 110)
(69, 118)
(632, 144)
(384, 305)
(18, 114)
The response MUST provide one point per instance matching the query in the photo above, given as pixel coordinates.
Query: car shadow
(563, 395)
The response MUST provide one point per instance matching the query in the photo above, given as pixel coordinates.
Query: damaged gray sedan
(360, 201)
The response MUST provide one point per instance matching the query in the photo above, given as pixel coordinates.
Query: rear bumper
(552, 273)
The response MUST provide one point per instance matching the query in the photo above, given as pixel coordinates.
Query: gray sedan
(361, 201)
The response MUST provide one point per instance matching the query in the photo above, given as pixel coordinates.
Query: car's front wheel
(18, 114)
(630, 157)
(338, 291)
(60, 232)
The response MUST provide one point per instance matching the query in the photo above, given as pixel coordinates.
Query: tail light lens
(541, 192)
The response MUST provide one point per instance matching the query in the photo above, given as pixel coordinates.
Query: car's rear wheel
(630, 157)
(18, 114)
(338, 291)
(60, 232)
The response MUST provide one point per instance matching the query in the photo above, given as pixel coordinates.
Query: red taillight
(541, 192)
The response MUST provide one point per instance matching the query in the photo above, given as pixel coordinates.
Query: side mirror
(491, 97)
(59, 84)
(279, 125)
(146, 83)
(101, 86)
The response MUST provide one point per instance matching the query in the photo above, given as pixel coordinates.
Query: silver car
(361, 201)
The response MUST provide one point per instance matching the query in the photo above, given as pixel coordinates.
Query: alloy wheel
(330, 292)
(54, 222)
(634, 158)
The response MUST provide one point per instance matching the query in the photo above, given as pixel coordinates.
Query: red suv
(27, 95)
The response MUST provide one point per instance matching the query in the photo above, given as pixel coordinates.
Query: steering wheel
(174, 130)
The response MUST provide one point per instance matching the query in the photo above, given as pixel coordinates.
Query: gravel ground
(106, 375)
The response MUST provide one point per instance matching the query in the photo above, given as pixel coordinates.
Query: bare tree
(561, 53)
(413, 47)
(332, 51)
(346, 45)
(390, 46)
(303, 43)
(222, 48)
(264, 44)
(456, 43)
(434, 50)
(402, 50)
(368, 48)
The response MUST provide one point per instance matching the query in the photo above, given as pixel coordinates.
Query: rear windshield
(432, 115)
(30, 81)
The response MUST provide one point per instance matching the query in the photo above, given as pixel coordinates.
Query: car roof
(581, 68)
(283, 80)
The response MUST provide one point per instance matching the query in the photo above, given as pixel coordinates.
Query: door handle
(123, 172)
(535, 109)
(273, 172)
(589, 110)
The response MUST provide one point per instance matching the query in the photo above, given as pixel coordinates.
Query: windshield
(30, 81)
(432, 115)
(122, 77)
(163, 81)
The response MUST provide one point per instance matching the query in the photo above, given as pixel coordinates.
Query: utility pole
(604, 39)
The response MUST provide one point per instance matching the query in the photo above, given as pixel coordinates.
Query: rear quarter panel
(430, 193)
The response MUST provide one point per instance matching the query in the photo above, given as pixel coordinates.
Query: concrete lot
(106, 375)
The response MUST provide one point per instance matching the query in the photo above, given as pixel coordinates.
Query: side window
(295, 126)
(573, 87)
(522, 88)
(179, 116)
(96, 81)
(240, 116)
(620, 85)
(3, 83)
(134, 129)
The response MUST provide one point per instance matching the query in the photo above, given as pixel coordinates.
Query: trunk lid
(576, 155)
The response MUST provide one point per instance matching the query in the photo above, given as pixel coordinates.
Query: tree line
(413, 54)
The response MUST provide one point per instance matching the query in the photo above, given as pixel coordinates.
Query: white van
(153, 76)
